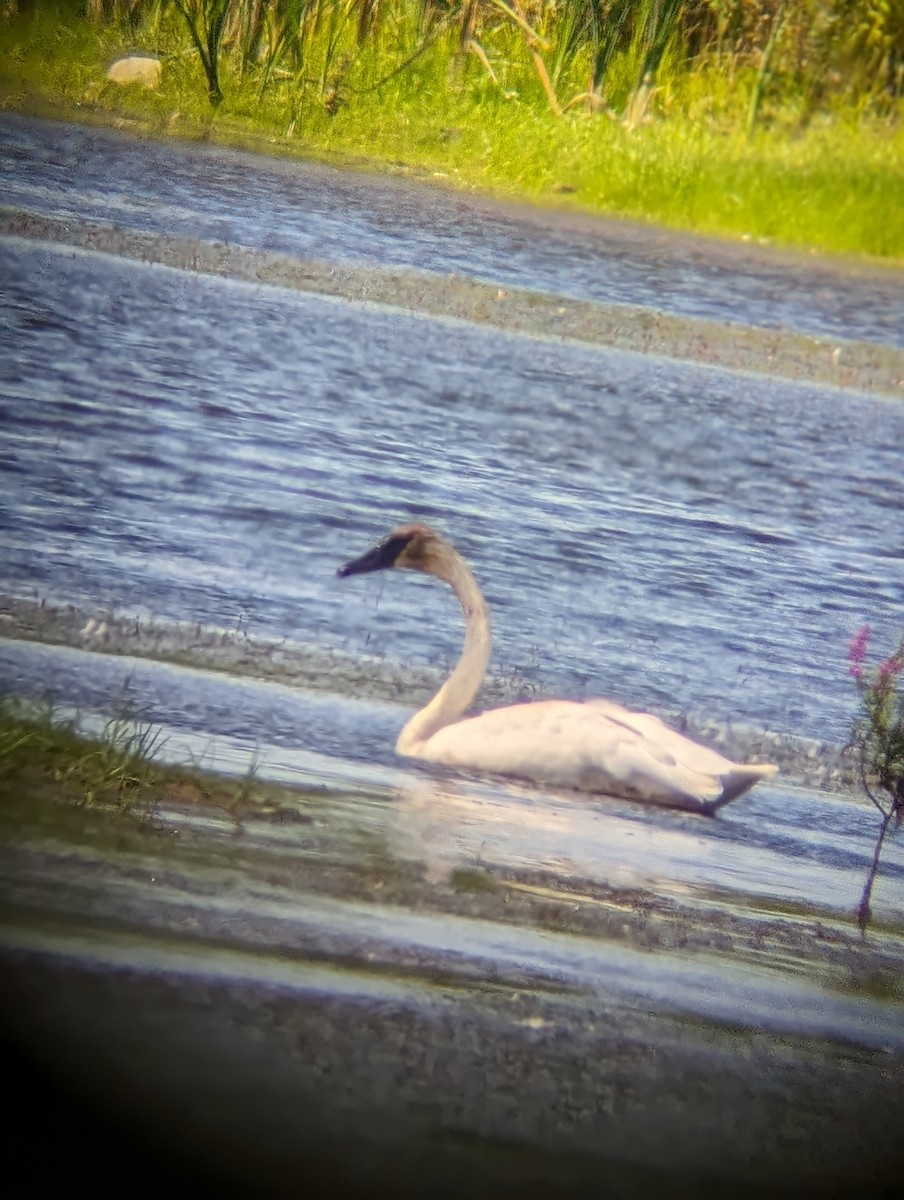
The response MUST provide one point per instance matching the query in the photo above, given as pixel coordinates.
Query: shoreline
(803, 358)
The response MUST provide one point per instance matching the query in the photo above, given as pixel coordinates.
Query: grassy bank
(710, 141)
(46, 757)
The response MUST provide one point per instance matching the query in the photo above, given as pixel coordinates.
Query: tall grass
(605, 52)
(115, 767)
(775, 119)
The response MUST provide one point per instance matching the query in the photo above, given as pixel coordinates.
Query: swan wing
(586, 746)
(692, 754)
(733, 778)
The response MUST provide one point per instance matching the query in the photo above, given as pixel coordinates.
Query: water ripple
(314, 212)
(682, 536)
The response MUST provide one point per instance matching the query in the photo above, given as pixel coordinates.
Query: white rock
(144, 69)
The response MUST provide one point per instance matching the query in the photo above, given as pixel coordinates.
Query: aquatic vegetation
(877, 738)
(41, 748)
(117, 764)
(474, 879)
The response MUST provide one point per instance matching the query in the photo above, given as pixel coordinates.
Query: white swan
(594, 745)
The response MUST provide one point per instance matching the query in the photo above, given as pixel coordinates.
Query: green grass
(41, 751)
(829, 180)
(469, 879)
(45, 756)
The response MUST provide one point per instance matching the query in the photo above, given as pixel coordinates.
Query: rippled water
(211, 451)
(316, 212)
(778, 847)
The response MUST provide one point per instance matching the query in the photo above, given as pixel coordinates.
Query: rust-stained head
(415, 547)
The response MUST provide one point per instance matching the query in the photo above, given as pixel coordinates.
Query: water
(672, 536)
(315, 212)
(640, 992)
(777, 847)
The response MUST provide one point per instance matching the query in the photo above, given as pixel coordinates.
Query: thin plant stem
(864, 912)
(757, 96)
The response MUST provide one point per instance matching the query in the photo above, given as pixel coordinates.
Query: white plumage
(594, 746)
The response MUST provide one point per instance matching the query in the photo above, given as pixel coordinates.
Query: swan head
(411, 547)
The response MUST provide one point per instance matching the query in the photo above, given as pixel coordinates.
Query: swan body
(593, 746)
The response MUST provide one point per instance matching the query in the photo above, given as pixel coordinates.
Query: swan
(591, 745)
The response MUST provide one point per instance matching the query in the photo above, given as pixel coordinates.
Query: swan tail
(740, 780)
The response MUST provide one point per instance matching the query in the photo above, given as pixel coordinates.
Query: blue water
(315, 212)
(668, 535)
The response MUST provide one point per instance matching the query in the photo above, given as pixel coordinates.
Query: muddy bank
(860, 365)
(250, 1007)
(242, 1086)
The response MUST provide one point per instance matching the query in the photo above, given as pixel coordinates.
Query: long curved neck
(463, 684)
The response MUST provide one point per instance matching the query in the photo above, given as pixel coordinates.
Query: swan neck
(463, 684)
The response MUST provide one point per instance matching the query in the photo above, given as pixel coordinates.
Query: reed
(607, 51)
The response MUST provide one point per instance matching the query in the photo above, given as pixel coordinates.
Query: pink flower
(890, 668)
(857, 651)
